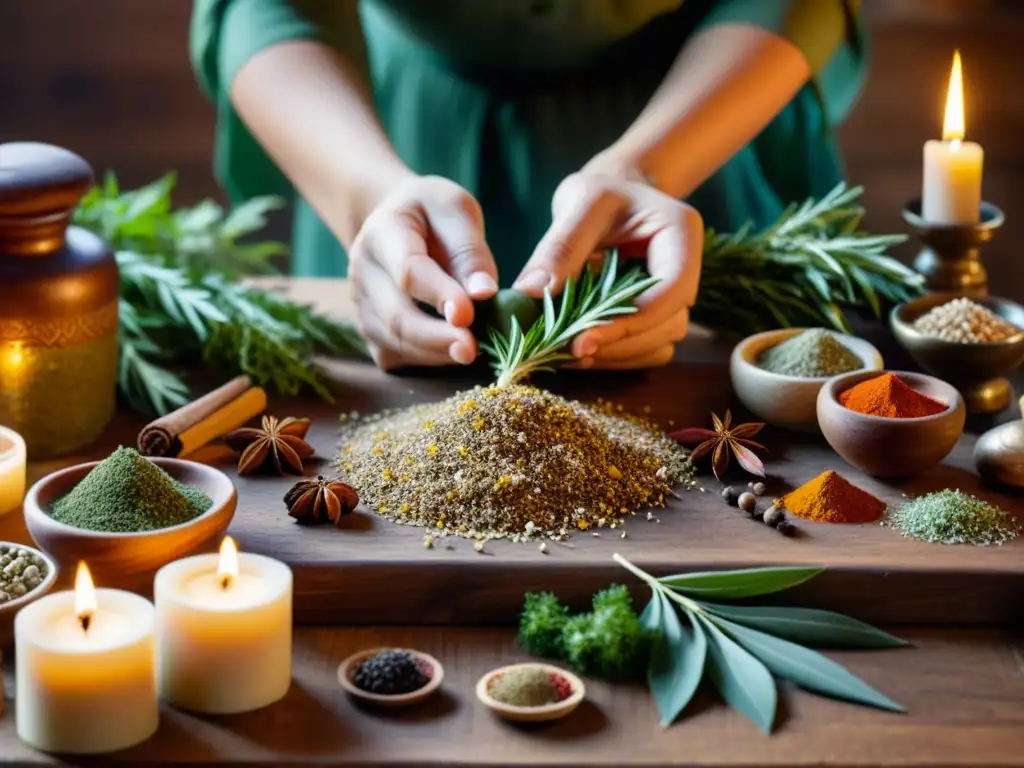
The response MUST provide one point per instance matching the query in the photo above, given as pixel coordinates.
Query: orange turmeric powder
(831, 498)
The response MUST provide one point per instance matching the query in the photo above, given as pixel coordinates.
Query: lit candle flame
(227, 570)
(85, 596)
(953, 128)
(13, 357)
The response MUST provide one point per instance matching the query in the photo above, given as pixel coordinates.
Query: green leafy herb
(594, 301)
(181, 303)
(608, 641)
(742, 647)
(803, 270)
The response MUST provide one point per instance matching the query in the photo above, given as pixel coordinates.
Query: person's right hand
(424, 242)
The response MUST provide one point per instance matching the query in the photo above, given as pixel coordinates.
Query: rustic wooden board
(964, 691)
(375, 572)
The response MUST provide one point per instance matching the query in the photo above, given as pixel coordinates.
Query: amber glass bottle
(58, 304)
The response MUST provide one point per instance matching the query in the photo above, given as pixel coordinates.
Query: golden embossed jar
(58, 304)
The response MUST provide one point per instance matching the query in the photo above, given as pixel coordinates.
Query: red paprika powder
(889, 396)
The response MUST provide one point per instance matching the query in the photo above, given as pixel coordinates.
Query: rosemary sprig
(594, 301)
(805, 269)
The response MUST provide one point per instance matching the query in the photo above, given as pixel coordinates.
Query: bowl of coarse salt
(777, 374)
(970, 343)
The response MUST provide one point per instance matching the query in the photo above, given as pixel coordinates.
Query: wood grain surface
(964, 691)
(372, 571)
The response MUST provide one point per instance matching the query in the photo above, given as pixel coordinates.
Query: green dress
(507, 97)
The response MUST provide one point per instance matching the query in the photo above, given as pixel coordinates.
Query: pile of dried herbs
(509, 462)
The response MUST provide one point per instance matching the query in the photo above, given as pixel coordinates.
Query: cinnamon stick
(162, 437)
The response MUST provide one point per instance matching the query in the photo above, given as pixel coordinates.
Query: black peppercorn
(785, 527)
(747, 502)
(730, 495)
(390, 673)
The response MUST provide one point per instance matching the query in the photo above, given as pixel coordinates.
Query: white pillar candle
(85, 687)
(951, 191)
(224, 631)
(12, 470)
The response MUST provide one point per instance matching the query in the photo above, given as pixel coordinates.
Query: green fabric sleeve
(224, 35)
(830, 34)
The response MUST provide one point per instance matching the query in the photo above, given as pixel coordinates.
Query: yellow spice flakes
(432, 449)
(428, 425)
(463, 450)
(466, 407)
(404, 509)
(377, 450)
(387, 475)
(409, 461)
(582, 524)
(614, 472)
(479, 423)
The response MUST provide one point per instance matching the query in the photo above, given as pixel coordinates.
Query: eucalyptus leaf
(823, 629)
(743, 681)
(730, 585)
(807, 668)
(678, 654)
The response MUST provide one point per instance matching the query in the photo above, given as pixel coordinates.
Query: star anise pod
(279, 445)
(723, 442)
(320, 500)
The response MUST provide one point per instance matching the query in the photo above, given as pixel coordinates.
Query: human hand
(424, 242)
(592, 211)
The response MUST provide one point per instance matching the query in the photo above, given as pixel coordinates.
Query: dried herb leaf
(744, 682)
(809, 626)
(677, 658)
(807, 668)
(730, 585)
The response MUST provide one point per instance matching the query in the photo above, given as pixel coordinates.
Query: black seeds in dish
(391, 673)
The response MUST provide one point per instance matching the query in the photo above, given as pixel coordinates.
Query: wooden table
(963, 682)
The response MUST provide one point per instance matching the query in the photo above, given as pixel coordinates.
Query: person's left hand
(593, 211)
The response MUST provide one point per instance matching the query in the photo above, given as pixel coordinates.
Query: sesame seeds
(517, 463)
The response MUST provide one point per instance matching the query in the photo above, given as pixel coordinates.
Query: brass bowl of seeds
(26, 574)
(128, 515)
(971, 343)
(777, 374)
(531, 692)
(390, 677)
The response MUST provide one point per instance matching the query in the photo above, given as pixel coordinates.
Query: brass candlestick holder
(950, 260)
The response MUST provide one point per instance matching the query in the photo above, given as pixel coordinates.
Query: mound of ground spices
(953, 517)
(512, 462)
(965, 322)
(529, 685)
(814, 353)
(831, 498)
(128, 493)
(891, 397)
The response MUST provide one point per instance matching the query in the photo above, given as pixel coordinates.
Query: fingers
(653, 359)
(456, 223)
(390, 320)
(645, 342)
(583, 213)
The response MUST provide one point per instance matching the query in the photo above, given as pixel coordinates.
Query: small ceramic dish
(347, 670)
(115, 557)
(786, 401)
(891, 447)
(977, 370)
(547, 712)
(11, 607)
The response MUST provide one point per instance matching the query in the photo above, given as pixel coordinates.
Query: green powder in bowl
(127, 493)
(814, 353)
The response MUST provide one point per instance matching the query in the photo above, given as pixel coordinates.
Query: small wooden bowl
(347, 670)
(555, 711)
(115, 557)
(11, 607)
(786, 401)
(976, 370)
(891, 447)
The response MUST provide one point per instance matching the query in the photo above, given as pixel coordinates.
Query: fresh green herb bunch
(180, 302)
(804, 270)
(607, 642)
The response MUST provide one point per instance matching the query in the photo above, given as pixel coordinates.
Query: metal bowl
(976, 370)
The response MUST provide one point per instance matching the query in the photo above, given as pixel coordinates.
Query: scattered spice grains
(953, 517)
(127, 493)
(390, 673)
(513, 462)
(965, 322)
(831, 498)
(889, 396)
(814, 353)
(530, 685)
